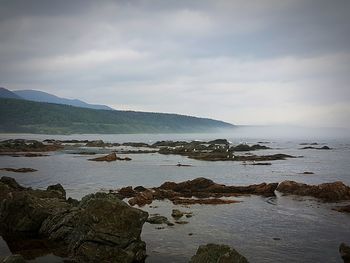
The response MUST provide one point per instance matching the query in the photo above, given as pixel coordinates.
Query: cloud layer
(245, 62)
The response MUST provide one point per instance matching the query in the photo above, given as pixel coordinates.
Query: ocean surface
(279, 229)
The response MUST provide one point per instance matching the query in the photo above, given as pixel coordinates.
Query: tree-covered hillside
(20, 116)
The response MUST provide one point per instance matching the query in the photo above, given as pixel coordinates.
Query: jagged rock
(19, 170)
(14, 259)
(136, 144)
(205, 191)
(100, 228)
(329, 192)
(344, 251)
(142, 198)
(212, 253)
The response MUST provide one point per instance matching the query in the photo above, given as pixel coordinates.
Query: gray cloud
(265, 62)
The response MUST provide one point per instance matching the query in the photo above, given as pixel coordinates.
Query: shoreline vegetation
(23, 116)
(39, 222)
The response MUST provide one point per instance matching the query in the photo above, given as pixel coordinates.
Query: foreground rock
(19, 170)
(100, 228)
(204, 190)
(110, 158)
(329, 192)
(344, 251)
(212, 253)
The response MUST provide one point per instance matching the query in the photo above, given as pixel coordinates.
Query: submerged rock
(329, 192)
(316, 148)
(212, 253)
(344, 251)
(107, 158)
(342, 209)
(100, 228)
(19, 170)
(157, 219)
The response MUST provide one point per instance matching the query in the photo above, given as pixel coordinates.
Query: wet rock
(126, 192)
(97, 143)
(212, 253)
(177, 214)
(316, 148)
(136, 144)
(307, 173)
(157, 219)
(58, 188)
(14, 259)
(344, 251)
(19, 170)
(23, 210)
(204, 190)
(101, 229)
(219, 141)
(183, 165)
(107, 158)
(254, 163)
(84, 153)
(142, 198)
(329, 192)
(342, 209)
(140, 189)
(181, 222)
(202, 201)
(246, 147)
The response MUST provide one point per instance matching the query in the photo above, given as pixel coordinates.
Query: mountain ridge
(24, 116)
(41, 96)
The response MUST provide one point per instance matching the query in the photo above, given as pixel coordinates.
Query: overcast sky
(245, 62)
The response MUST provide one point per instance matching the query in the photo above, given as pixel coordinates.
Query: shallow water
(309, 231)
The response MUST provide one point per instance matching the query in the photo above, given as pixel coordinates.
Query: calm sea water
(308, 230)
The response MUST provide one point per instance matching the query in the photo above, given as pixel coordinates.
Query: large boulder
(213, 253)
(101, 229)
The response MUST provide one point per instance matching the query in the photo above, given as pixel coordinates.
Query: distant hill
(22, 116)
(40, 96)
(5, 93)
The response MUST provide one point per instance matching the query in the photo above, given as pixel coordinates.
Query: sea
(274, 229)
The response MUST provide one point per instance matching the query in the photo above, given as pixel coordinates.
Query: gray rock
(212, 253)
(157, 219)
(101, 229)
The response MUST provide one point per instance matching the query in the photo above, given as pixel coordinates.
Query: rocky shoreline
(102, 228)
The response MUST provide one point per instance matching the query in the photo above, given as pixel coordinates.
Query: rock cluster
(203, 190)
(21, 145)
(19, 170)
(99, 228)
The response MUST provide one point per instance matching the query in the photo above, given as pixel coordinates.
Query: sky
(257, 62)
